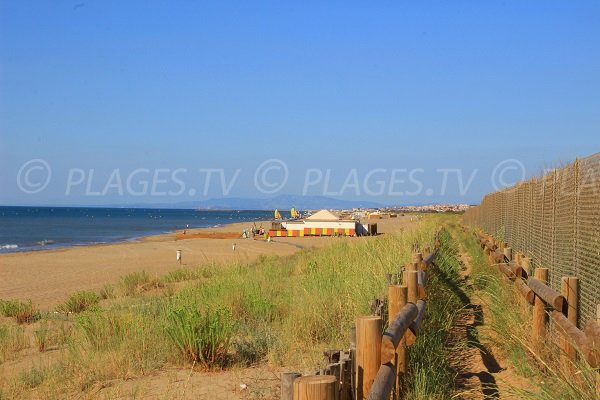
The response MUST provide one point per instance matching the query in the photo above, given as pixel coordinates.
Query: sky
(396, 102)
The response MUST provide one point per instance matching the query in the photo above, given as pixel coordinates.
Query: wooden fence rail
(371, 369)
(403, 328)
(563, 306)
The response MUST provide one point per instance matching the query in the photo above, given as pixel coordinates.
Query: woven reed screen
(555, 220)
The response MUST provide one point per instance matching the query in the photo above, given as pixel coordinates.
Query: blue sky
(348, 87)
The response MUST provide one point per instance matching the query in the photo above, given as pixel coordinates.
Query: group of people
(254, 232)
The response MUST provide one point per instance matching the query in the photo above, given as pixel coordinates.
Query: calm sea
(37, 228)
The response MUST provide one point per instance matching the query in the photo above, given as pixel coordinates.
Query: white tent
(323, 215)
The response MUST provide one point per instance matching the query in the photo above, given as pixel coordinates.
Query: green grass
(33, 377)
(186, 274)
(138, 282)
(79, 301)
(107, 292)
(202, 336)
(430, 374)
(23, 311)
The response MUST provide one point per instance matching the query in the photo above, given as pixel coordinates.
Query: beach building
(322, 223)
(325, 223)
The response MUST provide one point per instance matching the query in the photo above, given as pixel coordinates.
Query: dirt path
(482, 372)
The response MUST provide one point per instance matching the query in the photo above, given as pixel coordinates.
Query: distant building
(322, 223)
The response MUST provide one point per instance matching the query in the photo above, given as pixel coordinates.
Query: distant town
(430, 208)
(391, 212)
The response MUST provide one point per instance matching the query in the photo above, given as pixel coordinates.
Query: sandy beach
(47, 277)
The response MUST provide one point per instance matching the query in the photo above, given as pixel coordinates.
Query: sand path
(482, 372)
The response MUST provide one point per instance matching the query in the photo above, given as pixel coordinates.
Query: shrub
(79, 301)
(202, 336)
(138, 282)
(107, 292)
(254, 347)
(23, 312)
(34, 377)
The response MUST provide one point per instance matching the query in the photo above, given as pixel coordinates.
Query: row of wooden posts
(376, 361)
(548, 303)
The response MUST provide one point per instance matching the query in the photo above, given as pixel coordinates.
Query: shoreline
(48, 277)
(32, 229)
(132, 239)
(137, 239)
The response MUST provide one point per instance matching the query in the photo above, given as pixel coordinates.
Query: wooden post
(526, 264)
(397, 296)
(407, 268)
(418, 259)
(569, 289)
(519, 257)
(394, 299)
(412, 281)
(287, 385)
(412, 297)
(352, 362)
(508, 253)
(368, 353)
(316, 387)
(539, 310)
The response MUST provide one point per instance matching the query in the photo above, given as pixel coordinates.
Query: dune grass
(188, 274)
(430, 374)
(201, 335)
(23, 311)
(12, 340)
(79, 301)
(107, 292)
(136, 283)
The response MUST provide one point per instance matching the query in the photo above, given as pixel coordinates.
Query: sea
(42, 228)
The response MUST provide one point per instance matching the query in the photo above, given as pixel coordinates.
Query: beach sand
(47, 277)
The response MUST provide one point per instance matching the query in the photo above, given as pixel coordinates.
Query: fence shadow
(489, 386)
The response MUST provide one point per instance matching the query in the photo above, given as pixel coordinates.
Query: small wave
(45, 242)
(9, 246)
